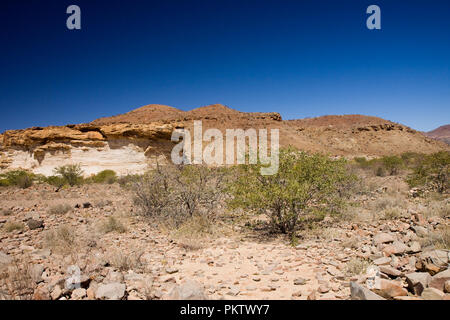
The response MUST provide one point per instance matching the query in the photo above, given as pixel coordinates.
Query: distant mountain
(442, 133)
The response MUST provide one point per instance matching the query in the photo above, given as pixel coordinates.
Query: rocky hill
(442, 133)
(133, 141)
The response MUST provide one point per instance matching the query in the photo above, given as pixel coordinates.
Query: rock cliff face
(124, 148)
(135, 141)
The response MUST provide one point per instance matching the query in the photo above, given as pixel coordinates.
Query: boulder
(110, 291)
(418, 281)
(389, 288)
(35, 224)
(432, 294)
(358, 292)
(438, 281)
(189, 290)
(383, 238)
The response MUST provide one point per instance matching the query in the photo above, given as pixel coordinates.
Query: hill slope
(132, 142)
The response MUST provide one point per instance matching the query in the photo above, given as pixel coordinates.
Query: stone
(299, 281)
(397, 247)
(390, 271)
(56, 293)
(432, 294)
(189, 290)
(35, 224)
(234, 291)
(418, 281)
(381, 238)
(382, 261)
(171, 270)
(41, 293)
(420, 231)
(79, 293)
(4, 259)
(438, 280)
(312, 296)
(389, 288)
(324, 288)
(36, 272)
(358, 292)
(447, 286)
(414, 247)
(111, 291)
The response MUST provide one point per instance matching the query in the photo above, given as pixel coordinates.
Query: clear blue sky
(300, 58)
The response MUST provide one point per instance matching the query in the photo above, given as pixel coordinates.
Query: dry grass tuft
(357, 266)
(61, 240)
(60, 209)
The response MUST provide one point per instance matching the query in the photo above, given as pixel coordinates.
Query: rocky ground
(86, 243)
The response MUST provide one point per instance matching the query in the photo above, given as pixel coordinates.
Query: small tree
(393, 164)
(72, 173)
(433, 171)
(304, 185)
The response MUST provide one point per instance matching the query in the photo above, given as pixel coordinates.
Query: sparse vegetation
(176, 193)
(357, 266)
(71, 174)
(20, 178)
(60, 209)
(105, 176)
(13, 226)
(432, 172)
(112, 224)
(62, 239)
(304, 187)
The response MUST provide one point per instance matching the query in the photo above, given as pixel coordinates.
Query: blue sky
(300, 58)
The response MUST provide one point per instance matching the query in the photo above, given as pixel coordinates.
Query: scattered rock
(189, 290)
(438, 281)
(389, 288)
(299, 281)
(418, 281)
(111, 291)
(35, 224)
(358, 292)
(381, 238)
(432, 294)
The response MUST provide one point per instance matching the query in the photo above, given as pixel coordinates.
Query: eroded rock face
(123, 148)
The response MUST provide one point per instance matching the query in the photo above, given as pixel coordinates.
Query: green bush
(20, 178)
(56, 181)
(105, 176)
(72, 174)
(392, 164)
(433, 172)
(304, 186)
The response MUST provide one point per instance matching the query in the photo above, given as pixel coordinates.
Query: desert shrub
(56, 181)
(20, 178)
(125, 261)
(357, 266)
(432, 172)
(112, 224)
(439, 238)
(71, 174)
(178, 192)
(128, 180)
(380, 171)
(412, 159)
(6, 212)
(62, 239)
(105, 176)
(16, 278)
(304, 187)
(13, 226)
(392, 164)
(60, 209)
